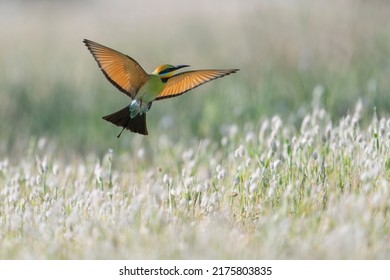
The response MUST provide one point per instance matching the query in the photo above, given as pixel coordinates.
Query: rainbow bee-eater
(129, 77)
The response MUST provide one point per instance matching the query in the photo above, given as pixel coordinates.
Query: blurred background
(52, 89)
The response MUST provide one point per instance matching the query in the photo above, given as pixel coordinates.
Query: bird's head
(167, 70)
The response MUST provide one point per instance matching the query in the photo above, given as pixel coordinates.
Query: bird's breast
(151, 89)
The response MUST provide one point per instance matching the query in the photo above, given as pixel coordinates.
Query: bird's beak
(181, 66)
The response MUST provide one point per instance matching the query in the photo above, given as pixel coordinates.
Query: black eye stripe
(167, 70)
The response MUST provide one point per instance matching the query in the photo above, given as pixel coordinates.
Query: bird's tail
(122, 118)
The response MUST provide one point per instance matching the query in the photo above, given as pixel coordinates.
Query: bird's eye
(167, 70)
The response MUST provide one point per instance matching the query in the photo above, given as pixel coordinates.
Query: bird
(130, 78)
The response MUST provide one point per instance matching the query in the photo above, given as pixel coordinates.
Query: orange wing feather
(121, 70)
(183, 82)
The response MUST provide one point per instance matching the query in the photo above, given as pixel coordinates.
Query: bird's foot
(138, 107)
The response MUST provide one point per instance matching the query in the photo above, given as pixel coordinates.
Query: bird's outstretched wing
(121, 70)
(183, 82)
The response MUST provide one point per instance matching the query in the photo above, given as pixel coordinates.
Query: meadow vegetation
(288, 158)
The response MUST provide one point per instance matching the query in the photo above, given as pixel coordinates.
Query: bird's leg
(148, 107)
(138, 107)
(144, 107)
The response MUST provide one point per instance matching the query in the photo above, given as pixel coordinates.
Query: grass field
(289, 158)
